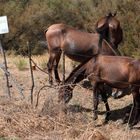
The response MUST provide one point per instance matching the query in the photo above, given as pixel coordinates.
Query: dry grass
(19, 120)
(20, 63)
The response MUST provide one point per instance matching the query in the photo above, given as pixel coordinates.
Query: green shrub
(21, 64)
(82, 14)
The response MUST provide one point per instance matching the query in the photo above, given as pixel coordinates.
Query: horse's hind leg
(50, 65)
(57, 59)
(53, 64)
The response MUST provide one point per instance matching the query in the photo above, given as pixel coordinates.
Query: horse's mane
(76, 71)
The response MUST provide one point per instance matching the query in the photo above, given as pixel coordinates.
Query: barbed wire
(13, 80)
(63, 86)
(38, 67)
(60, 86)
(70, 84)
(55, 87)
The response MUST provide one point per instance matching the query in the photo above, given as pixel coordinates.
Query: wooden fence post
(5, 65)
(31, 70)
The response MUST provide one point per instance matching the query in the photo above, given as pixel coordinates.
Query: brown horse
(77, 45)
(124, 73)
(66, 91)
(114, 34)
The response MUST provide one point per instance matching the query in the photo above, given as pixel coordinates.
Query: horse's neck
(109, 49)
(106, 35)
(108, 44)
(77, 75)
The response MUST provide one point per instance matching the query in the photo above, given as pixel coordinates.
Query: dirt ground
(19, 120)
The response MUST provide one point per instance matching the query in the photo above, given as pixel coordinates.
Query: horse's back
(53, 35)
(120, 67)
(78, 45)
(121, 59)
(71, 39)
(56, 26)
(134, 71)
(115, 68)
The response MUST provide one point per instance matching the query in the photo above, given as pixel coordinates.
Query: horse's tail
(46, 42)
(45, 31)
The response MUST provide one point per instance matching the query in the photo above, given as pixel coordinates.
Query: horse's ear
(115, 13)
(109, 14)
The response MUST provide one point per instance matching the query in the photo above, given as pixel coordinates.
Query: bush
(20, 64)
(30, 19)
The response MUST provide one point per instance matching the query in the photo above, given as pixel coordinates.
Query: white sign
(3, 25)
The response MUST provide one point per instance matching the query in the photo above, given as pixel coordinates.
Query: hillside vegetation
(29, 18)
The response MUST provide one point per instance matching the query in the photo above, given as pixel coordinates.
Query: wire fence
(14, 83)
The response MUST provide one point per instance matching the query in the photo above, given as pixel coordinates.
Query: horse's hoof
(58, 82)
(107, 118)
(133, 123)
(130, 127)
(107, 115)
(95, 117)
(50, 83)
(63, 107)
(124, 121)
(105, 122)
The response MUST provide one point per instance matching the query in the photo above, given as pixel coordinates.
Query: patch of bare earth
(19, 120)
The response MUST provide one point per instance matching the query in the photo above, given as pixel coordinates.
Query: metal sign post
(3, 30)
(4, 25)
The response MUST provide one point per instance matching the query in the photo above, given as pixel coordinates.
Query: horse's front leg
(136, 108)
(104, 98)
(57, 59)
(95, 101)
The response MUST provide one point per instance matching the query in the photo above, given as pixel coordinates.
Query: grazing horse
(109, 27)
(77, 45)
(66, 91)
(124, 73)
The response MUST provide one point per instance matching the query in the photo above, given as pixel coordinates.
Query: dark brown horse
(124, 73)
(113, 34)
(66, 91)
(77, 45)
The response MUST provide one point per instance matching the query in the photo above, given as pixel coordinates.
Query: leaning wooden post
(5, 65)
(63, 57)
(31, 70)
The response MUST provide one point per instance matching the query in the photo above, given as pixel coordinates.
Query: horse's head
(103, 23)
(109, 27)
(65, 94)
